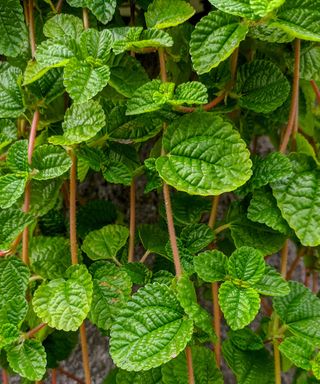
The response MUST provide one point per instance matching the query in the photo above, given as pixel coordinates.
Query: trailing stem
(54, 376)
(70, 376)
(35, 330)
(295, 97)
(5, 377)
(169, 214)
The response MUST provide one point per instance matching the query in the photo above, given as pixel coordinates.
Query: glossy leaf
(245, 339)
(8, 132)
(192, 92)
(96, 44)
(196, 237)
(63, 25)
(152, 376)
(211, 266)
(17, 158)
(298, 350)
(102, 9)
(14, 278)
(9, 333)
(11, 188)
(12, 103)
(272, 283)
(240, 8)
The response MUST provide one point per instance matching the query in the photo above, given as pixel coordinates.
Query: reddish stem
(59, 6)
(284, 259)
(132, 221)
(5, 377)
(73, 209)
(316, 90)
(85, 354)
(54, 376)
(190, 366)
(70, 376)
(33, 331)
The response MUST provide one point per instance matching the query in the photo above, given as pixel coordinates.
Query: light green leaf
(300, 311)
(106, 242)
(196, 237)
(111, 290)
(211, 266)
(12, 103)
(302, 215)
(14, 278)
(150, 329)
(304, 147)
(14, 311)
(163, 14)
(28, 359)
(270, 34)
(198, 147)
(152, 376)
(239, 305)
(315, 366)
(153, 238)
(77, 3)
(9, 333)
(64, 303)
(17, 157)
(54, 266)
(83, 81)
(192, 92)
(309, 62)
(263, 7)
(150, 97)
(246, 340)
(240, 8)
(8, 132)
(96, 44)
(262, 87)
(11, 188)
(263, 209)
(49, 162)
(246, 264)
(102, 9)
(13, 32)
(13, 221)
(56, 53)
(298, 350)
(63, 25)
(204, 365)
(213, 40)
(272, 283)
(300, 18)
(81, 123)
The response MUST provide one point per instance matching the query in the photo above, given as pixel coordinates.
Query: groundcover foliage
(181, 95)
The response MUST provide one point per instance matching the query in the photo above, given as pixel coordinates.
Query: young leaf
(102, 9)
(163, 14)
(211, 266)
(17, 158)
(28, 359)
(192, 92)
(53, 53)
(14, 278)
(198, 147)
(213, 40)
(9, 333)
(196, 237)
(298, 350)
(246, 264)
(240, 8)
(49, 162)
(64, 303)
(272, 283)
(262, 87)
(111, 290)
(81, 123)
(106, 242)
(63, 25)
(239, 305)
(96, 44)
(150, 329)
(11, 188)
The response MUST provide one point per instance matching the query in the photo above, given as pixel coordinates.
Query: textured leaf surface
(196, 237)
(44, 195)
(300, 310)
(213, 40)
(14, 278)
(204, 365)
(13, 32)
(150, 329)
(111, 290)
(262, 86)
(234, 7)
(102, 9)
(64, 303)
(81, 123)
(11, 188)
(263, 7)
(245, 339)
(50, 162)
(239, 306)
(198, 147)
(272, 283)
(17, 157)
(28, 359)
(211, 266)
(165, 13)
(298, 350)
(192, 92)
(63, 25)
(152, 376)
(9, 333)
(105, 243)
(10, 92)
(14, 311)
(153, 238)
(55, 53)
(8, 132)
(96, 44)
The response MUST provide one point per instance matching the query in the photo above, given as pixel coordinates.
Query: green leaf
(300, 19)
(14, 311)
(17, 157)
(8, 132)
(81, 123)
(13, 32)
(96, 44)
(263, 209)
(263, 7)
(153, 238)
(138, 272)
(83, 81)
(192, 92)
(150, 97)
(13, 221)
(315, 366)
(300, 311)
(249, 366)
(63, 25)
(304, 147)
(239, 305)
(65, 303)
(245, 339)
(204, 365)
(11, 188)
(59, 346)
(60, 259)
(262, 87)
(12, 103)
(272, 283)
(163, 14)
(298, 350)
(152, 376)
(106, 242)
(150, 329)
(102, 9)
(213, 40)
(240, 8)
(246, 264)
(301, 214)
(14, 278)
(9, 333)
(28, 359)
(111, 290)
(211, 266)
(55, 53)
(196, 237)
(205, 155)
(270, 34)
(49, 162)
